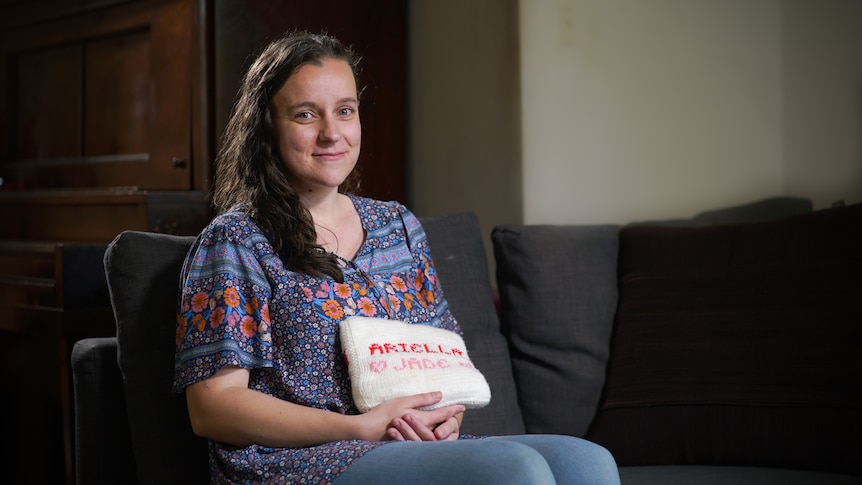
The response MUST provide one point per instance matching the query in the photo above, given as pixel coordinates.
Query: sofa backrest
(738, 344)
(459, 257)
(731, 339)
(558, 300)
(143, 273)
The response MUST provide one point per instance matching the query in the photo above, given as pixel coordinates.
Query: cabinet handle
(178, 162)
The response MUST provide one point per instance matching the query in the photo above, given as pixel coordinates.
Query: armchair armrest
(103, 447)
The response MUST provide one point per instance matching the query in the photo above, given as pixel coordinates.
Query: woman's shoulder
(390, 221)
(379, 213)
(232, 227)
(368, 204)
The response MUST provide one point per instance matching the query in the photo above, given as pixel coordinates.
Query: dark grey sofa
(547, 358)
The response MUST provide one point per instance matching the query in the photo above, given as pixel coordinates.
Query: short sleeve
(223, 318)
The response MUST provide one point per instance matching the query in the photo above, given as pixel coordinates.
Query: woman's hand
(402, 419)
(423, 426)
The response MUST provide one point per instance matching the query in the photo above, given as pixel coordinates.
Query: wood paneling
(46, 304)
(117, 98)
(103, 97)
(48, 81)
(98, 216)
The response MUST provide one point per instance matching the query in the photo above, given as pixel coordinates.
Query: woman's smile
(329, 156)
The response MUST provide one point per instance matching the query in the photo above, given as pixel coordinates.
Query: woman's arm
(224, 409)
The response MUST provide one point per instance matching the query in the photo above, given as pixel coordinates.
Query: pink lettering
(415, 363)
(415, 348)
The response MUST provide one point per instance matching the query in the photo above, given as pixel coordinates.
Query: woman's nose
(329, 130)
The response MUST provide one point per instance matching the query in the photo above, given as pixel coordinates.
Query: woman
(288, 257)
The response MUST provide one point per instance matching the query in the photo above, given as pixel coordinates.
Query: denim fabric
(520, 459)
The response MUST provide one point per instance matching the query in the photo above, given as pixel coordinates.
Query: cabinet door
(100, 97)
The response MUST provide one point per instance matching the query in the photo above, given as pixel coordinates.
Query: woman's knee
(479, 461)
(512, 463)
(590, 462)
(573, 460)
(600, 464)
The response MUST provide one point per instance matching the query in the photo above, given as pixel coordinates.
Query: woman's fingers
(409, 422)
(431, 425)
(417, 401)
(448, 430)
(412, 430)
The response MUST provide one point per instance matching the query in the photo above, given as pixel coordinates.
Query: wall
(640, 109)
(465, 122)
(823, 100)
(632, 109)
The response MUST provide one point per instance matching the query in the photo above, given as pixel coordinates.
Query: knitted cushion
(388, 359)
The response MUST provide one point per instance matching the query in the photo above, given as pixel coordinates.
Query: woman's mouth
(329, 156)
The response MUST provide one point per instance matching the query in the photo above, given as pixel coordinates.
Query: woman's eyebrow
(311, 104)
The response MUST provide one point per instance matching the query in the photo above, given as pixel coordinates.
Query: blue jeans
(523, 459)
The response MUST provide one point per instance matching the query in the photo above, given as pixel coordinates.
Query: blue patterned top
(240, 307)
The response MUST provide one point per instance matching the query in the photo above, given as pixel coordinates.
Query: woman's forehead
(331, 77)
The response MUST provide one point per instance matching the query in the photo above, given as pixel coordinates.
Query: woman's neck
(326, 209)
(338, 225)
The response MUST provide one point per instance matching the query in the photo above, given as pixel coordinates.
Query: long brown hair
(249, 172)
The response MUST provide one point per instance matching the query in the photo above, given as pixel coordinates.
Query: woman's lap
(528, 459)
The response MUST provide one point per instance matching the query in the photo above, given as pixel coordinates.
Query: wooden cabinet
(50, 297)
(103, 97)
(110, 115)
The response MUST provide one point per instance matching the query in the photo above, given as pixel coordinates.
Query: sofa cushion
(459, 258)
(558, 295)
(738, 345)
(724, 475)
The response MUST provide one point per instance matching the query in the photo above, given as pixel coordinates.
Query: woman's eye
(305, 115)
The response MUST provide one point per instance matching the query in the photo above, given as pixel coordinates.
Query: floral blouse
(240, 307)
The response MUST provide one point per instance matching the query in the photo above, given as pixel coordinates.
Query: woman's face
(316, 119)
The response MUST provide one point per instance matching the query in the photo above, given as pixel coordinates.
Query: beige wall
(465, 145)
(823, 99)
(622, 110)
(638, 109)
